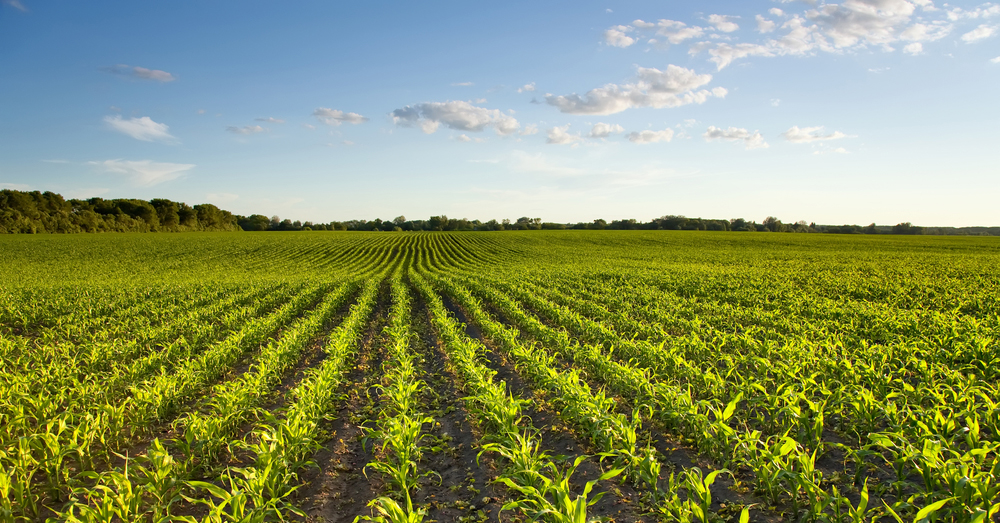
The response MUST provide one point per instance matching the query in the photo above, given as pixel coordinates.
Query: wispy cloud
(144, 128)
(603, 130)
(979, 33)
(141, 73)
(527, 88)
(246, 129)
(269, 120)
(15, 186)
(16, 4)
(144, 172)
(653, 88)
(644, 137)
(457, 115)
(462, 84)
(752, 140)
(562, 136)
(337, 117)
(810, 134)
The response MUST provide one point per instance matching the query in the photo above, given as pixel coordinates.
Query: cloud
(457, 115)
(527, 88)
(16, 4)
(603, 130)
(561, 136)
(222, 197)
(920, 32)
(201, 111)
(144, 172)
(463, 138)
(676, 32)
(144, 128)
(617, 37)
(775, 102)
(776, 12)
(347, 142)
(462, 84)
(529, 130)
(269, 120)
(995, 60)
(861, 21)
(764, 25)
(979, 33)
(247, 129)
(723, 54)
(15, 186)
(653, 88)
(986, 10)
(752, 140)
(723, 23)
(336, 117)
(810, 134)
(141, 73)
(915, 48)
(644, 137)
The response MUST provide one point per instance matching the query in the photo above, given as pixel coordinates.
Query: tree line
(23, 212)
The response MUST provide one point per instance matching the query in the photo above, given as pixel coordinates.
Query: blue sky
(850, 112)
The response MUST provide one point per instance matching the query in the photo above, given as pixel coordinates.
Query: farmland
(636, 376)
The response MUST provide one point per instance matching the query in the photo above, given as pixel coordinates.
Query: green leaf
(925, 512)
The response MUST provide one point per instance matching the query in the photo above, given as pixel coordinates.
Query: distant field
(447, 376)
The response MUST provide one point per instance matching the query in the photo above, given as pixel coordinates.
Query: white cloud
(141, 73)
(561, 136)
(529, 130)
(920, 32)
(201, 111)
(269, 120)
(775, 102)
(995, 60)
(222, 197)
(752, 140)
(676, 32)
(347, 142)
(776, 12)
(527, 88)
(16, 4)
(810, 134)
(653, 88)
(644, 137)
(723, 23)
(617, 37)
(914, 48)
(979, 33)
(463, 138)
(337, 117)
(986, 10)
(145, 172)
(861, 21)
(457, 115)
(15, 186)
(723, 54)
(247, 129)
(603, 130)
(462, 84)
(144, 128)
(764, 25)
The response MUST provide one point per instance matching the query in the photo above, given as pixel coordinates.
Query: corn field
(540, 376)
